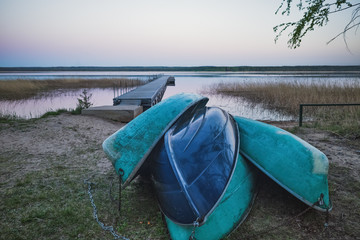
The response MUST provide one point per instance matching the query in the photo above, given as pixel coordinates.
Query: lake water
(191, 82)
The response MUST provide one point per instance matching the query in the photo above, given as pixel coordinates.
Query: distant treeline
(197, 69)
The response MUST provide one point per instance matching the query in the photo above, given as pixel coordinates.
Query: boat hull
(130, 146)
(186, 149)
(192, 166)
(231, 211)
(293, 163)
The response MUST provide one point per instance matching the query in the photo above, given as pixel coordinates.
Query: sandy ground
(67, 135)
(63, 135)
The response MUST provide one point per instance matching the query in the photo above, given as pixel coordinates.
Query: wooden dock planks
(131, 104)
(146, 95)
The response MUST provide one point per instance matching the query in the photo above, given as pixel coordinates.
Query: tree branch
(343, 9)
(316, 13)
(352, 24)
(343, 32)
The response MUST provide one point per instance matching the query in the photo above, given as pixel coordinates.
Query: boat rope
(102, 225)
(195, 225)
(287, 221)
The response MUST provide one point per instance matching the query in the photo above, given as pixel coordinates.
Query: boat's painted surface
(192, 167)
(129, 147)
(232, 209)
(290, 161)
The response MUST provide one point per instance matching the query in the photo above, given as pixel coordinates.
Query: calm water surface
(185, 82)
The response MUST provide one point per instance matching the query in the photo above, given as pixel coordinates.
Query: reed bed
(286, 97)
(25, 88)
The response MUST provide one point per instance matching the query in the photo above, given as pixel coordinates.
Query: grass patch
(53, 113)
(54, 205)
(14, 119)
(25, 88)
(286, 97)
(19, 123)
(43, 196)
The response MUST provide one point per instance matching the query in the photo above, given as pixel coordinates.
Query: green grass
(14, 120)
(39, 200)
(54, 113)
(53, 203)
(43, 196)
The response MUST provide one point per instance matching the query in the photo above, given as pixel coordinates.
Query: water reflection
(234, 105)
(51, 101)
(185, 82)
(239, 106)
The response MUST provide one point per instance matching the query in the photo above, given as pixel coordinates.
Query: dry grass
(286, 97)
(25, 88)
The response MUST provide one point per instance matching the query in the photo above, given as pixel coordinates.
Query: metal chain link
(195, 224)
(102, 225)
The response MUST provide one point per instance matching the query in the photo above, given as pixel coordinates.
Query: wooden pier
(146, 95)
(129, 105)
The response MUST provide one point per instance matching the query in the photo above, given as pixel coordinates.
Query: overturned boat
(200, 179)
(293, 163)
(128, 148)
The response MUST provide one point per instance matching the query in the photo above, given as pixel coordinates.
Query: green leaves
(316, 14)
(84, 100)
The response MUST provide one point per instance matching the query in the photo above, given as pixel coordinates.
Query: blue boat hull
(129, 147)
(199, 176)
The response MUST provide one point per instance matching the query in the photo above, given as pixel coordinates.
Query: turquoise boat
(293, 163)
(129, 147)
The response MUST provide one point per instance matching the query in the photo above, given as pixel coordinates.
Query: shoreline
(189, 68)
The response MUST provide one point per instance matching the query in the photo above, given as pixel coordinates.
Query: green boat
(130, 146)
(293, 163)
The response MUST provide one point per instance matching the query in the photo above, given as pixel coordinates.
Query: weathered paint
(320, 161)
(128, 148)
(293, 163)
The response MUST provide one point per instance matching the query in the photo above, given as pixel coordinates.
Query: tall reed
(25, 88)
(286, 97)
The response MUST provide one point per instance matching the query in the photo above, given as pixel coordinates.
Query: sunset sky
(162, 33)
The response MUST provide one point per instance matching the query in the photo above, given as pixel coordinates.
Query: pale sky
(161, 33)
